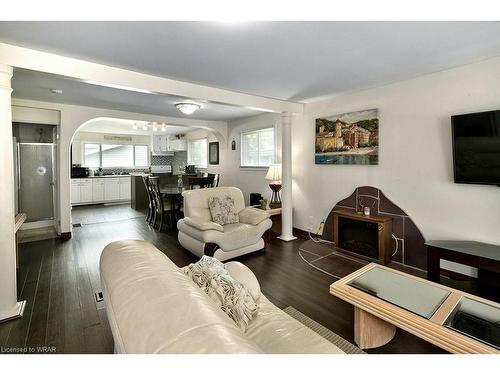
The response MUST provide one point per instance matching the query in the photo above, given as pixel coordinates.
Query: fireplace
(368, 237)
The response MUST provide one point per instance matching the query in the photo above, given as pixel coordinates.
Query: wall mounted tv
(476, 148)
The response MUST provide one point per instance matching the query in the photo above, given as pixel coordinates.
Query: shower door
(36, 180)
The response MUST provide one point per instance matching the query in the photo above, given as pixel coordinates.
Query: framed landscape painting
(348, 138)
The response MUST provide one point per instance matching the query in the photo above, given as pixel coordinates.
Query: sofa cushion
(202, 224)
(252, 216)
(245, 276)
(234, 236)
(276, 332)
(223, 210)
(196, 201)
(230, 295)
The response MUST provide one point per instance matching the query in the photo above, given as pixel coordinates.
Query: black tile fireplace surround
(407, 244)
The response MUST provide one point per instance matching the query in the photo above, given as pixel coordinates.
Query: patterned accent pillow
(223, 210)
(230, 295)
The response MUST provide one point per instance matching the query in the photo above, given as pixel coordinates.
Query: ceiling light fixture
(135, 126)
(145, 126)
(163, 128)
(187, 108)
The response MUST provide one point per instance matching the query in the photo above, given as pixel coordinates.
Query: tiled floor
(102, 213)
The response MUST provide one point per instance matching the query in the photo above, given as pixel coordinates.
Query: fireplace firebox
(368, 237)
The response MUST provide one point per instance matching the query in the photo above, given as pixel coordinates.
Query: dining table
(173, 194)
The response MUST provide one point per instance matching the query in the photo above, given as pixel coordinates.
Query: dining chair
(151, 209)
(215, 176)
(201, 182)
(162, 208)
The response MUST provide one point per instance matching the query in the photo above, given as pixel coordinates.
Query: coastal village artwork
(349, 138)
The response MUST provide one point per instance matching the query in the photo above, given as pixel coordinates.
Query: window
(141, 156)
(257, 148)
(92, 155)
(198, 153)
(116, 155)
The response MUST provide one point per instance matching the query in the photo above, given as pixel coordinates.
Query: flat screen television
(476, 148)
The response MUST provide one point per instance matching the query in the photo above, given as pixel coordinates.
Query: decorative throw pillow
(231, 296)
(222, 210)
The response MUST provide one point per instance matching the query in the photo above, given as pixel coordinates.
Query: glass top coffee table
(385, 298)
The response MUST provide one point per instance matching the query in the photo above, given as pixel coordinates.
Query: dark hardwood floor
(58, 279)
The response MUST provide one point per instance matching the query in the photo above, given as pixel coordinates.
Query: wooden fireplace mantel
(384, 233)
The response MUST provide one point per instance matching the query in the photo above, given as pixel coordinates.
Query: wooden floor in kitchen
(58, 280)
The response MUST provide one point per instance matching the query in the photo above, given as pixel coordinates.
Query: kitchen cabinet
(161, 145)
(178, 145)
(111, 189)
(125, 188)
(81, 190)
(98, 189)
(75, 192)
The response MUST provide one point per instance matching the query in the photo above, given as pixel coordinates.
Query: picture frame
(213, 153)
(348, 138)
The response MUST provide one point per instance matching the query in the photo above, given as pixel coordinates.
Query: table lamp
(274, 175)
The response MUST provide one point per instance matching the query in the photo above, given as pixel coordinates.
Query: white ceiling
(286, 60)
(33, 85)
(119, 126)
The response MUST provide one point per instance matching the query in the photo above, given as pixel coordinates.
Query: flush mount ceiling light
(187, 108)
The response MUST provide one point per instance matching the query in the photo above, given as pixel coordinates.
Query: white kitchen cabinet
(111, 189)
(161, 145)
(86, 190)
(98, 189)
(125, 188)
(81, 190)
(178, 145)
(75, 191)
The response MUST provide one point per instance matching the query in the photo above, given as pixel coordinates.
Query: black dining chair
(163, 208)
(216, 177)
(201, 182)
(151, 207)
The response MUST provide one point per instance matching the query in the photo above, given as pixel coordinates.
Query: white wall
(249, 180)
(211, 137)
(415, 160)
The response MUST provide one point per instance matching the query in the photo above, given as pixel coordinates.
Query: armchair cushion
(202, 224)
(252, 216)
(223, 210)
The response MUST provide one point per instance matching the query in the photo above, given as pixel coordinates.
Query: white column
(286, 178)
(9, 307)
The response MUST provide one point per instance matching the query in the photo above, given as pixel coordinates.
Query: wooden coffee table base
(370, 331)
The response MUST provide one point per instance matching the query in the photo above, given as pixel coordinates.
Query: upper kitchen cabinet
(160, 145)
(167, 145)
(178, 145)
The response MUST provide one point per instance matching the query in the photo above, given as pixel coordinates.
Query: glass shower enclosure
(35, 180)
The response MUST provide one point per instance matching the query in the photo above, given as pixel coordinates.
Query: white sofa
(153, 307)
(201, 236)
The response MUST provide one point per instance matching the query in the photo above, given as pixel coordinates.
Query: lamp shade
(274, 173)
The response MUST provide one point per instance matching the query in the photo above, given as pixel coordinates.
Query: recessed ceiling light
(56, 91)
(187, 108)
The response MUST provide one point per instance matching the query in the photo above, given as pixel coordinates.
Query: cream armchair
(201, 236)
